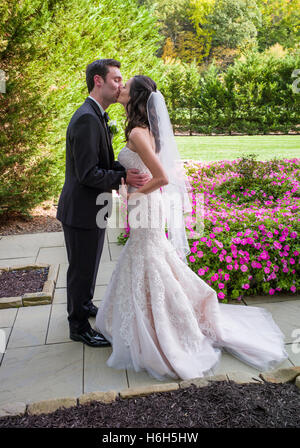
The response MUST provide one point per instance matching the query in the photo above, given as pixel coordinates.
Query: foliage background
(45, 47)
(224, 66)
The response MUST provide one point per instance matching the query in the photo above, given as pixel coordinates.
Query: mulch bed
(20, 281)
(43, 219)
(220, 405)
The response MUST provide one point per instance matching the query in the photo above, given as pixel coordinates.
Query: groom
(90, 170)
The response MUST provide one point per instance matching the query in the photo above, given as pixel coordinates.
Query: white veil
(175, 193)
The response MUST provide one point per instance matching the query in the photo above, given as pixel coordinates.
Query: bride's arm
(140, 141)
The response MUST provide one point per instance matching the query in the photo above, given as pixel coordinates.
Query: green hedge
(254, 95)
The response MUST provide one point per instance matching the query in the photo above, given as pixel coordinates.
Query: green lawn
(209, 148)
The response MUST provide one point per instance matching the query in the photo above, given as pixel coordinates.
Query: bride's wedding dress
(161, 317)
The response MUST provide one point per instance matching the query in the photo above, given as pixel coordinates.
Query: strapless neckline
(130, 149)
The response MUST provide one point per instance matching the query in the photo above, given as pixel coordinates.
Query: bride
(156, 312)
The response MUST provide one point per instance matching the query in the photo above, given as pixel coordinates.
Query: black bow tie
(106, 117)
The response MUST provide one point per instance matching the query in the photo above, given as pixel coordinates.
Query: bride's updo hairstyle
(140, 90)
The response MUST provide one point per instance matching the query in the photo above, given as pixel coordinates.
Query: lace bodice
(131, 160)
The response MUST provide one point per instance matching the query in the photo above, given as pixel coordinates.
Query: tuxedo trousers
(84, 249)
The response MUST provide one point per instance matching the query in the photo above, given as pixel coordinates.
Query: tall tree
(280, 23)
(45, 48)
(233, 23)
(199, 15)
(175, 26)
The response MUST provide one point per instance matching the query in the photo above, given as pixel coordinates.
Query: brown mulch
(43, 220)
(20, 281)
(220, 405)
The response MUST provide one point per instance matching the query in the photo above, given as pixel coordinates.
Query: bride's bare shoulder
(139, 137)
(139, 132)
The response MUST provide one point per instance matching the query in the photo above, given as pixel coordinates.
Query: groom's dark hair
(99, 67)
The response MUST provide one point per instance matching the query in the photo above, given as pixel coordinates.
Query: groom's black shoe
(90, 337)
(93, 310)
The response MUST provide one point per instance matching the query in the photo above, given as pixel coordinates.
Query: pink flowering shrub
(250, 240)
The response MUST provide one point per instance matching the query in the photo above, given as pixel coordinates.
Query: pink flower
(192, 259)
(229, 267)
(228, 259)
(244, 268)
(264, 255)
(246, 286)
(293, 235)
(201, 271)
(221, 285)
(200, 253)
(193, 249)
(272, 291)
(212, 235)
(214, 250)
(267, 270)
(292, 261)
(221, 295)
(226, 277)
(293, 288)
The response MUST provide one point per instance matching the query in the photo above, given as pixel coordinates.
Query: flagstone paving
(41, 362)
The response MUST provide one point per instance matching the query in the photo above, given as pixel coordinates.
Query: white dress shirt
(99, 105)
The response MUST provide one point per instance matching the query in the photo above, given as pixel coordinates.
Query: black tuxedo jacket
(90, 167)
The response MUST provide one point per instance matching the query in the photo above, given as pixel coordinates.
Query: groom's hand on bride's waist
(136, 179)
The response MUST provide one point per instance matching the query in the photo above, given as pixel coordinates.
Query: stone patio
(41, 362)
